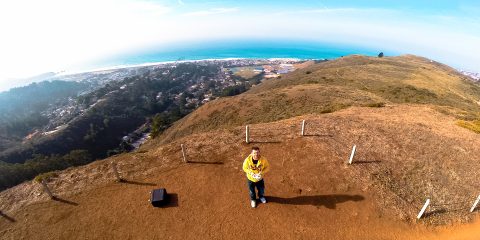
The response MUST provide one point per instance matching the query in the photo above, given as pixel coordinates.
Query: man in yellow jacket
(255, 166)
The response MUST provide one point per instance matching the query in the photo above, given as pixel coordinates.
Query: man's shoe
(263, 200)
(253, 203)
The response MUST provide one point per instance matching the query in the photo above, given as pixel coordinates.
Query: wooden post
(475, 204)
(247, 135)
(303, 128)
(351, 155)
(115, 171)
(423, 209)
(183, 154)
(47, 190)
(6, 216)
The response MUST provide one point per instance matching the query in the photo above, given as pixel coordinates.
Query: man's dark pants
(260, 185)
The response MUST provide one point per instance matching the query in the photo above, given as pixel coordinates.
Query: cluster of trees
(161, 121)
(233, 90)
(13, 174)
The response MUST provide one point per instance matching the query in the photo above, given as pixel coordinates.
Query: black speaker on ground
(159, 197)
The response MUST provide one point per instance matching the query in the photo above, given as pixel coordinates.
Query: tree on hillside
(380, 54)
(158, 125)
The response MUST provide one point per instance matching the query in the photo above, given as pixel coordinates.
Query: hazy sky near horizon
(56, 35)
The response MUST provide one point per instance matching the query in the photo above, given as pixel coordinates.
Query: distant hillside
(113, 111)
(21, 108)
(403, 79)
(333, 85)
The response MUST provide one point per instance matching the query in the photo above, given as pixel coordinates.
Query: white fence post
(247, 135)
(115, 171)
(353, 153)
(303, 128)
(47, 190)
(423, 209)
(475, 204)
(183, 154)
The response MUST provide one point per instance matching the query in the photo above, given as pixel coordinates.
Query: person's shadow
(329, 201)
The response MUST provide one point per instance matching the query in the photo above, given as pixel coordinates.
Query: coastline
(149, 64)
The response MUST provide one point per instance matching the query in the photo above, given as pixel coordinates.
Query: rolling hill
(334, 85)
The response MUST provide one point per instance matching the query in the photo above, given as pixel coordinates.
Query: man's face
(256, 154)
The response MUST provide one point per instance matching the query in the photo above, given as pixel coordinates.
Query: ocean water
(238, 49)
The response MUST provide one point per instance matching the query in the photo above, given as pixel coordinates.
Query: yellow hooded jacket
(261, 167)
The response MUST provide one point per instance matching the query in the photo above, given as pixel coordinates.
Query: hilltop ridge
(333, 85)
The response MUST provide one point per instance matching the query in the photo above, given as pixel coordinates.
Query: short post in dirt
(247, 134)
(115, 171)
(47, 190)
(351, 155)
(2, 214)
(475, 204)
(420, 214)
(303, 128)
(183, 154)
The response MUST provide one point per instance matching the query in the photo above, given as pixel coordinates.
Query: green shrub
(327, 110)
(376, 105)
(44, 176)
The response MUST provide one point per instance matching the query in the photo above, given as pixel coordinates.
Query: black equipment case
(159, 197)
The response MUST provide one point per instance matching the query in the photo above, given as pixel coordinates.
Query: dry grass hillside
(333, 85)
(409, 148)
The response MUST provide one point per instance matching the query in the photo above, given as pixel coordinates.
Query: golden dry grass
(471, 125)
(403, 79)
(246, 72)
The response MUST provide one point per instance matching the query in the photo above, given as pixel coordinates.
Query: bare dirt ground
(405, 154)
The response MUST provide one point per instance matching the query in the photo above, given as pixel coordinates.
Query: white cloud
(213, 11)
(51, 35)
(343, 10)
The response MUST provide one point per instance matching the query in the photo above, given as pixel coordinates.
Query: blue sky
(423, 6)
(56, 35)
